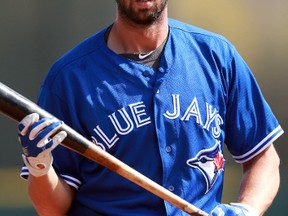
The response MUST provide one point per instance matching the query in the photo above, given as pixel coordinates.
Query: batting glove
(234, 209)
(34, 135)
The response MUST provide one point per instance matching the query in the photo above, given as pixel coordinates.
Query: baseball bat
(16, 106)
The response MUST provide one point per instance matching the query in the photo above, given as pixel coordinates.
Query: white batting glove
(34, 135)
(234, 209)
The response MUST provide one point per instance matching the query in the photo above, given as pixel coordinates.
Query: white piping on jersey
(71, 181)
(277, 132)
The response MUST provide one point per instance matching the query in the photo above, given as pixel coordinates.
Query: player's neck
(127, 38)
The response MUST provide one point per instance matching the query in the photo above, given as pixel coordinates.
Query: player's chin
(145, 17)
(144, 22)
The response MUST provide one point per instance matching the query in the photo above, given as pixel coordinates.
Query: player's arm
(49, 193)
(259, 186)
(261, 180)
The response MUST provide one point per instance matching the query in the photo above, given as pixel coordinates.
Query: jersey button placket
(168, 150)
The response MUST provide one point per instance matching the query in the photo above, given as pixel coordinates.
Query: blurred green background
(34, 33)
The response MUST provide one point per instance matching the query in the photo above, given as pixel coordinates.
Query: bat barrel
(16, 106)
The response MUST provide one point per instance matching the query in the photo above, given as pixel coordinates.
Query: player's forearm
(50, 194)
(261, 180)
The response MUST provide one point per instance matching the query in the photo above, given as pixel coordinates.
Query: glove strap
(37, 169)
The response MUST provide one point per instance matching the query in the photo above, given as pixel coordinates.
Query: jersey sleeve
(65, 162)
(250, 124)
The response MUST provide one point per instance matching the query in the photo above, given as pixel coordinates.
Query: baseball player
(164, 97)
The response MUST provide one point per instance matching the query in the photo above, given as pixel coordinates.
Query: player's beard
(141, 16)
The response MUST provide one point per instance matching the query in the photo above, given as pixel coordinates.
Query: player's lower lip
(144, 3)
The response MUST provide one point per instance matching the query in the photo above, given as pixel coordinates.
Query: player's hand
(234, 209)
(37, 144)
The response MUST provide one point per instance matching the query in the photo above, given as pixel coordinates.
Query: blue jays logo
(210, 162)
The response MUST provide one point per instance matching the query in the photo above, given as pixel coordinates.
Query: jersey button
(161, 69)
(168, 149)
(146, 73)
(171, 188)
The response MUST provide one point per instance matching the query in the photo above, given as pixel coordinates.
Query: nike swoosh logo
(143, 56)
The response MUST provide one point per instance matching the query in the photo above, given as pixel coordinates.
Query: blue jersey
(169, 124)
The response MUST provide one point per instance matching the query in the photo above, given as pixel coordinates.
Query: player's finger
(58, 138)
(26, 122)
(37, 127)
(43, 136)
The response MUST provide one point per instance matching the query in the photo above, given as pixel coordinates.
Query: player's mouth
(144, 3)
